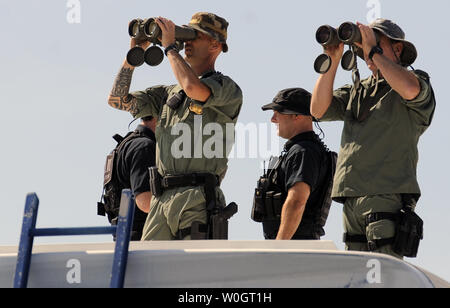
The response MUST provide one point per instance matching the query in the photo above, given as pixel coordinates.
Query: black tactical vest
(271, 193)
(112, 189)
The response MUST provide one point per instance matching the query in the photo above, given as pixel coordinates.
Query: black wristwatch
(173, 46)
(375, 49)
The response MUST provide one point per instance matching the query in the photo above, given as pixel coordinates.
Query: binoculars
(148, 30)
(349, 34)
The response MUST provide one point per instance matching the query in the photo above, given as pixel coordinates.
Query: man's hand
(335, 52)
(144, 45)
(168, 31)
(133, 43)
(369, 40)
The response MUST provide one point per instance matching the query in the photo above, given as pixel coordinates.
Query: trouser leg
(354, 224)
(156, 227)
(355, 212)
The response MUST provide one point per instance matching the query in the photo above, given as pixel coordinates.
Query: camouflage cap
(394, 32)
(212, 25)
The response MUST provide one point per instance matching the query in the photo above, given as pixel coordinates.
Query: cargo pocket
(380, 230)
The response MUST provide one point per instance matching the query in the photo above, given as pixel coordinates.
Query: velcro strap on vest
(374, 217)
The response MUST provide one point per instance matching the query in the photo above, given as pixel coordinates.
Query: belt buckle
(165, 182)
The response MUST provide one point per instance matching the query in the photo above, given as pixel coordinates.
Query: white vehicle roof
(217, 264)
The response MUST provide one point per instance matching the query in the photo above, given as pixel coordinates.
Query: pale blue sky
(56, 125)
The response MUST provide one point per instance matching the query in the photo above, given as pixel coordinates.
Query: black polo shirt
(133, 161)
(305, 161)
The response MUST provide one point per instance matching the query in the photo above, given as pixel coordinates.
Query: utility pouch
(259, 207)
(175, 101)
(108, 172)
(268, 201)
(258, 210)
(277, 201)
(155, 182)
(101, 211)
(409, 233)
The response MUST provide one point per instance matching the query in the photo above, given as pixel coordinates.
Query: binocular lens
(322, 64)
(323, 35)
(153, 56)
(135, 56)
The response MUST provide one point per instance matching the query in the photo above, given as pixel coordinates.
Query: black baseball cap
(295, 101)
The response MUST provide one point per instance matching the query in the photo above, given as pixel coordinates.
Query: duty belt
(373, 245)
(209, 181)
(192, 179)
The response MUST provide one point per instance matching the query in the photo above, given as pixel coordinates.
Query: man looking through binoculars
(384, 116)
(185, 191)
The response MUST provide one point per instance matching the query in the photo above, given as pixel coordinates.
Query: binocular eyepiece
(148, 30)
(349, 34)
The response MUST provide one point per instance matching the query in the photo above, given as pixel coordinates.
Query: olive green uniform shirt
(378, 153)
(208, 140)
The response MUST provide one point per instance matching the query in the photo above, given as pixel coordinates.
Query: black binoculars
(349, 34)
(148, 30)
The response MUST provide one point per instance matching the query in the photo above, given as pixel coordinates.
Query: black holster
(409, 233)
(155, 182)
(218, 222)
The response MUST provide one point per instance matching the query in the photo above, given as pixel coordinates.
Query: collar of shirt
(306, 136)
(146, 131)
(371, 82)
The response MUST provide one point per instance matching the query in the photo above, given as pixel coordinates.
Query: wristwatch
(375, 49)
(173, 46)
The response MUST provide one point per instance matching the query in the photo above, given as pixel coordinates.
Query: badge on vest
(196, 108)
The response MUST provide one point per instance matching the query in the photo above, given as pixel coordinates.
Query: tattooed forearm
(119, 97)
(125, 103)
(122, 83)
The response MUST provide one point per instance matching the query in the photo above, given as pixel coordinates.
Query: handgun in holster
(218, 222)
(409, 233)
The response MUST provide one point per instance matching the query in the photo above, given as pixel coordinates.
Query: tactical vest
(270, 195)
(112, 188)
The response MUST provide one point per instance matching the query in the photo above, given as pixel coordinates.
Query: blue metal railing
(122, 232)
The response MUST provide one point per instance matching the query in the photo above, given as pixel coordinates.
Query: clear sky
(57, 71)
